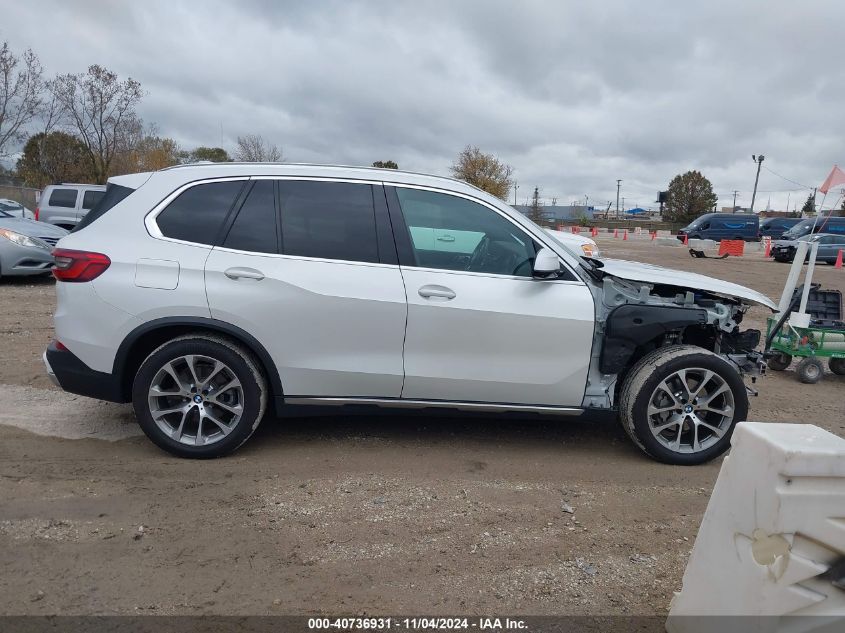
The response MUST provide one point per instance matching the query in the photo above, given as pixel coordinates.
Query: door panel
(498, 339)
(333, 328)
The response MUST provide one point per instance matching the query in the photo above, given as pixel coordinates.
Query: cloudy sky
(573, 95)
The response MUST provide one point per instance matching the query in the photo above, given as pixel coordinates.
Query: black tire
(810, 370)
(837, 366)
(779, 362)
(238, 362)
(642, 382)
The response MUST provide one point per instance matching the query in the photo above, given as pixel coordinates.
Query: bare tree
(252, 148)
(21, 94)
(100, 110)
(485, 171)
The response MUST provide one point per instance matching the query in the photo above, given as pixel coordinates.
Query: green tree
(53, 157)
(689, 196)
(809, 207)
(485, 171)
(213, 154)
(386, 164)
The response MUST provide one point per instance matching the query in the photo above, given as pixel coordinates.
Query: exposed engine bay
(636, 317)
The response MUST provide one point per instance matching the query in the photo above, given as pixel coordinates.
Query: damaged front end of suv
(672, 341)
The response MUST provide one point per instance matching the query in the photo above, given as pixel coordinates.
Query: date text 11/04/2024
(421, 623)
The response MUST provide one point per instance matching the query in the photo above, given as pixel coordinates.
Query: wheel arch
(141, 341)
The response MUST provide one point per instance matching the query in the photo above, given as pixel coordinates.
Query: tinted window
(453, 233)
(112, 195)
(91, 198)
(63, 198)
(331, 220)
(198, 213)
(255, 227)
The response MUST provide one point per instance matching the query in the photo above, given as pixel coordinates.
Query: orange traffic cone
(768, 252)
(625, 237)
(615, 233)
(838, 263)
(686, 239)
(653, 235)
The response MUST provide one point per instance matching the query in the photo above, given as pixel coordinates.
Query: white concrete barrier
(669, 241)
(772, 541)
(701, 245)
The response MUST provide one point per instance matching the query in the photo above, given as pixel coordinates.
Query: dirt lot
(351, 515)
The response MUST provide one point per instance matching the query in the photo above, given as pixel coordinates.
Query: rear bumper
(74, 376)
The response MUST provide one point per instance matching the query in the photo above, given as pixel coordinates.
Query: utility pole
(733, 210)
(618, 187)
(515, 187)
(759, 161)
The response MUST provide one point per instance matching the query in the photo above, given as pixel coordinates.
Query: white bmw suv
(212, 295)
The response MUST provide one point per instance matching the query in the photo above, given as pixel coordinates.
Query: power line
(772, 171)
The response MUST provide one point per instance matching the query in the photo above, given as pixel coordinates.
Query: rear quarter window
(198, 213)
(63, 198)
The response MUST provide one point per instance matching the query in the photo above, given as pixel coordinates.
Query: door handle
(446, 238)
(244, 273)
(436, 292)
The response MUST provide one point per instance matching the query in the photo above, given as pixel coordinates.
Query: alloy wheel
(690, 410)
(196, 400)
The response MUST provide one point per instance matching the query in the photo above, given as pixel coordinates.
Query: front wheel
(199, 396)
(680, 404)
(837, 366)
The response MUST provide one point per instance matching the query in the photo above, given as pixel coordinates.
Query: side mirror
(546, 263)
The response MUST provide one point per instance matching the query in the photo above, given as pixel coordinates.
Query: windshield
(3, 213)
(798, 230)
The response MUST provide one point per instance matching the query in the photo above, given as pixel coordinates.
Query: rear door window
(91, 197)
(254, 229)
(197, 214)
(328, 220)
(63, 198)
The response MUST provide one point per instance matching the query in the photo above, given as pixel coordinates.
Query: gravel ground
(336, 515)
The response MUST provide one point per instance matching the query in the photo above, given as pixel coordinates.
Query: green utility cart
(823, 338)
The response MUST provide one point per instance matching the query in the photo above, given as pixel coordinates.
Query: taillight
(78, 265)
(37, 211)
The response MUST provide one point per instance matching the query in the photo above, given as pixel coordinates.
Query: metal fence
(27, 196)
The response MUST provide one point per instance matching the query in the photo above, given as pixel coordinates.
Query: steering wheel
(479, 254)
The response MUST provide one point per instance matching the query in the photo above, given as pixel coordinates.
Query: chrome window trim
(422, 404)
(501, 213)
(154, 231)
(150, 219)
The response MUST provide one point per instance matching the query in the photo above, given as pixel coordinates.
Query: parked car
(775, 227)
(575, 243)
(829, 247)
(15, 209)
(806, 226)
(209, 295)
(66, 204)
(25, 245)
(722, 226)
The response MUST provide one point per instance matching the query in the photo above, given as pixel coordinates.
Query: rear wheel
(779, 362)
(810, 370)
(837, 366)
(680, 404)
(199, 396)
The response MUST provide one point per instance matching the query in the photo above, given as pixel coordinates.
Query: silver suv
(66, 204)
(212, 295)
